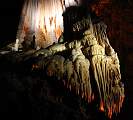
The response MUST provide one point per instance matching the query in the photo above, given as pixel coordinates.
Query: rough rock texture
(118, 17)
(32, 95)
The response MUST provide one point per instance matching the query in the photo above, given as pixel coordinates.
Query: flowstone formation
(85, 61)
(72, 48)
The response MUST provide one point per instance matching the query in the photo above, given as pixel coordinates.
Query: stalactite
(92, 52)
(45, 15)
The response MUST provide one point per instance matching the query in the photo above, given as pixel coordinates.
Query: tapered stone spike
(78, 91)
(76, 88)
(93, 96)
(85, 92)
(82, 94)
(119, 109)
(64, 82)
(70, 87)
(67, 85)
(88, 99)
(101, 106)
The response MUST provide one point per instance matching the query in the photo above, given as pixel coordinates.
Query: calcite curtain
(45, 16)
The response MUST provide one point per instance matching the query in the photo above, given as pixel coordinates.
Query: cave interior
(35, 94)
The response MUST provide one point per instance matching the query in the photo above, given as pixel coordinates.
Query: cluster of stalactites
(44, 15)
(92, 52)
(75, 75)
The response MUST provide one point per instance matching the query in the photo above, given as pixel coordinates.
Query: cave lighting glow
(45, 15)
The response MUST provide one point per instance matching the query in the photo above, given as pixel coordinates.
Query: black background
(10, 11)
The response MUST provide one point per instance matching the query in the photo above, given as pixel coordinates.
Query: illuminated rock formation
(90, 53)
(44, 15)
(83, 58)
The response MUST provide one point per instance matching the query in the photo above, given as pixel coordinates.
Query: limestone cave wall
(118, 16)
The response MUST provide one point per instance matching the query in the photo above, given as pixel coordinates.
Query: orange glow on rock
(109, 112)
(93, 97)
(58, 32)
(102, 106)
(34, 67)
